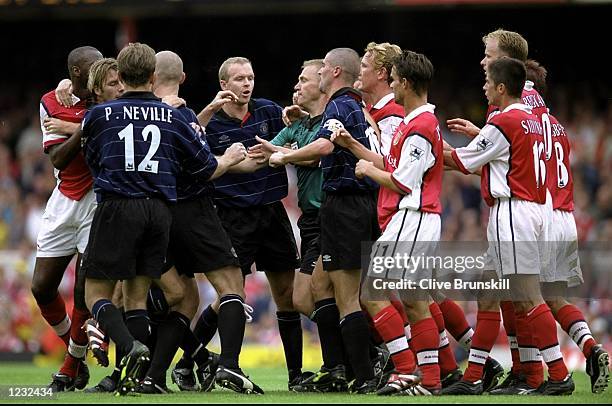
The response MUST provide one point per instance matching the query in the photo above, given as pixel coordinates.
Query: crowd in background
(27, 180)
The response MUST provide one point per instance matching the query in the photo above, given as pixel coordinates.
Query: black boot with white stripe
(236, 380)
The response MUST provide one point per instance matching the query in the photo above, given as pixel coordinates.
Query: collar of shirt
(528, 85)
(349, 91)
(251, 109)
(419, 110)
(139, 95)
(383, 102)
(310, 122)
(518, 106)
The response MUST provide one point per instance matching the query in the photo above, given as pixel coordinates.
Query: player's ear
(183, 77)
(223, 84)
(75, 71)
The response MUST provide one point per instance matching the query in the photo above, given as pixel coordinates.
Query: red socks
(530, 359)
(445, 354)
(55, 314)
(507, 309)
(487, 329)
(544, 329)
(390, 326)
(456, 324)
(425, 341)
(572, 322)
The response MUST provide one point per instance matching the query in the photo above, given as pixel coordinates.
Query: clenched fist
(362, 168)
(236, 153)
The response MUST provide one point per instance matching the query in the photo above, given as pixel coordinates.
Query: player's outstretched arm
(235, 154)
(310, 152)
(62, 154)
(462, 126)
(224, 96)
(344, 139)
(293, 113)
(365, 168)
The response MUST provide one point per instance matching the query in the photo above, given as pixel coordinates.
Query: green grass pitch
(274, 383)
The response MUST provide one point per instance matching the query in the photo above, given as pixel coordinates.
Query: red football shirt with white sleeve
(510, 150)
(75, 180)
(416, 163)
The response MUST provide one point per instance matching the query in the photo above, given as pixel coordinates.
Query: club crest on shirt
(483, 143)
(416, 153)
(263, 128)
(332, 124)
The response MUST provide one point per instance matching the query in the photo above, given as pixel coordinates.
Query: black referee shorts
(347, 220)
(262, 235)
(310, 247)
(198, 242)
(128, 238)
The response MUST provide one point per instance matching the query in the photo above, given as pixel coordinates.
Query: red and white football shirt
(558, 172)
(510, 150)
(388, 115)
(75, 180)
(416, 164)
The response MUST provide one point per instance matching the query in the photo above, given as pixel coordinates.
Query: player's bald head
(169, 68)
(83, 57)
(348, 60)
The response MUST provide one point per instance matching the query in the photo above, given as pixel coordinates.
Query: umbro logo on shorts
(327, 258)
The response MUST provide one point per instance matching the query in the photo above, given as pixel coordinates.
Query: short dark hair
(415, 68)
(537, 74)
(136, 64)
(509, 71)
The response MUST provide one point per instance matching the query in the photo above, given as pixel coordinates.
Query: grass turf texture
(274, 383)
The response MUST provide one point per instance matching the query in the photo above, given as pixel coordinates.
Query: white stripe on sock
(478, 356)
(551, 354)
(76, 350)
(397, 345)
(578, 331)
(443, 340)
(427, 357)
(63, 326)
(513, 343)
(466, 340)
(529, 354)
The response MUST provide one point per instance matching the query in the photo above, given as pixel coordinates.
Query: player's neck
(317, 107)
(414, 102)
(507, 101)
(162, 91)
(334, 87)
(143, 88)
(236, 110)
(380, 91)
(80, 92)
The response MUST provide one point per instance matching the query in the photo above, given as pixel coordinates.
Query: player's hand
(341, 137)
(57, 126)
(462, 126)
(293, 113)
(63, 92)
(264, 145)
(362, 168)
(174, 101)
(223, 97)
(236, 153)
(277, 159)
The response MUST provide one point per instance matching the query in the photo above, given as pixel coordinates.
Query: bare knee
(556, 304)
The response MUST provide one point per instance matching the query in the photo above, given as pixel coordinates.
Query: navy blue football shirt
(344, 111)
(266, 185)
(136, 146)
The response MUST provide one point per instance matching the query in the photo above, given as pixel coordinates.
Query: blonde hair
(136, 64)
(313, 62)
(383, 55)
(509, 42)
(98, 73)
(223, 75)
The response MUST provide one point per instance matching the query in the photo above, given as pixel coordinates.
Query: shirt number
(147, 165)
